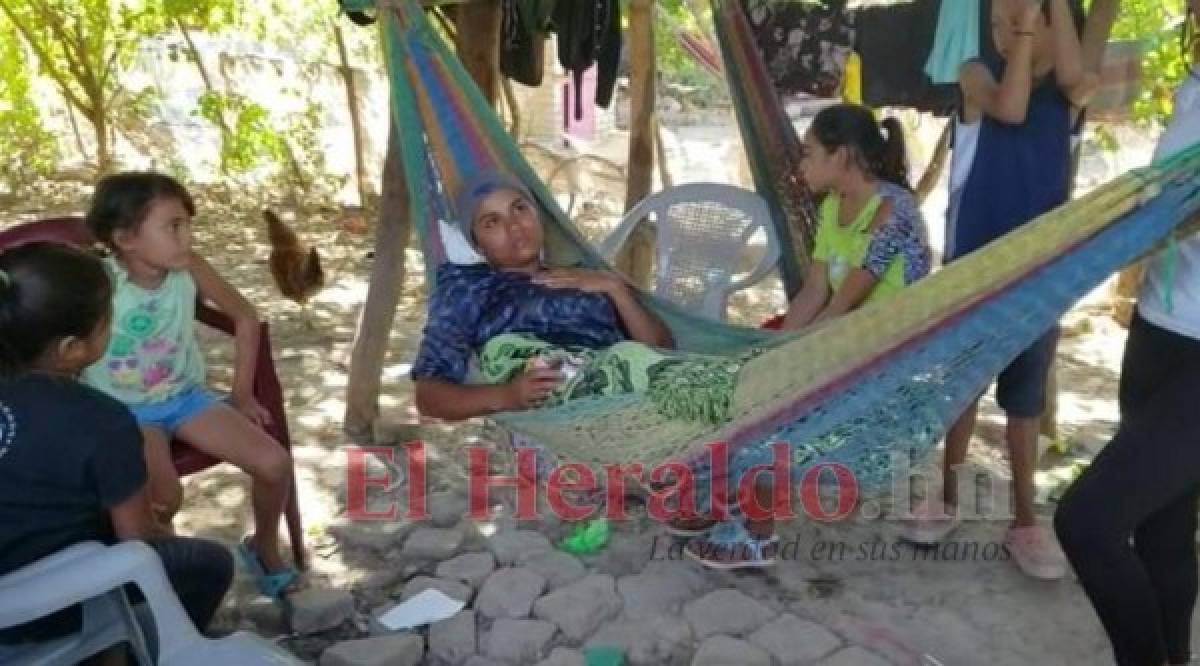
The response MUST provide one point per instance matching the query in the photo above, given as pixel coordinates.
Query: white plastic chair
(702, 231)
(93, 575)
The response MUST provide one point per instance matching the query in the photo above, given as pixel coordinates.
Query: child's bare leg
(225, 434)
(166, 491)
(958, 439)
(1022, 435)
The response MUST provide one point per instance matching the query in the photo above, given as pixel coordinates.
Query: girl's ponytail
(892, 163)
(854, 127)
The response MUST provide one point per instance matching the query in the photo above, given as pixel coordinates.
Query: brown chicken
(296, 269)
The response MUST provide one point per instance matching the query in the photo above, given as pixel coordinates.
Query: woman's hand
(533, 387)
(249, 407)
(590, 281)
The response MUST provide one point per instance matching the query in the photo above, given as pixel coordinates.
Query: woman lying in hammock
(533, 327)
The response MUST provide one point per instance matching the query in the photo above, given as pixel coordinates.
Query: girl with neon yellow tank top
(871, 238)
(154, 366)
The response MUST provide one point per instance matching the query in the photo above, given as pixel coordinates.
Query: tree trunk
(75, 130)
(360, 158)
(478, 44)
(222, 123)
(99, 120)
(379, 311)
(638, 256)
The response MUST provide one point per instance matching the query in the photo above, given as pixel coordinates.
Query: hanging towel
(956, 40)
(524, 29)
(804, 45)
(589, 32)
(894, 41)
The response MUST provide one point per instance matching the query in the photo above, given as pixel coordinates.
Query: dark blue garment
(1019, 171)
(473, 304)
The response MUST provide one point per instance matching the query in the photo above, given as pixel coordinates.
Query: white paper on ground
(426, 608)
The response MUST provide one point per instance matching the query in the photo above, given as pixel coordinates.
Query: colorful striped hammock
(882, 382)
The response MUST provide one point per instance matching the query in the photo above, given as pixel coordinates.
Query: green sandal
(274, 585)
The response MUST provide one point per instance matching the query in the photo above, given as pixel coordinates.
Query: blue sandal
(274, 585)
(730, 545)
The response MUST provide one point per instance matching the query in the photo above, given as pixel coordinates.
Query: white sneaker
(931, 522)
(1036, 552)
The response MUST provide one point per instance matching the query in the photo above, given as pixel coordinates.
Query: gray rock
(265, 615)
(510, 593)
(650, 642)
(318, 610)
(470, 568)
(520, 641)
(854, 656)
(579, 608)
(398, 650)
(453, 640)
(725, 611)
(432, 543)
(447, 508)
(563, 657)
(483, 661)
(379, 537)
(661, 588)
(725, 650)
(515, 546)
(473, 540)
(627, 553)
(451, 588)
(556, 567)
(794, 641)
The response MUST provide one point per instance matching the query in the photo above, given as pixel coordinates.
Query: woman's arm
(1008, 100)
(642, 325)
(812, 297)
(854, 290)
(247, 329)
(447, 400)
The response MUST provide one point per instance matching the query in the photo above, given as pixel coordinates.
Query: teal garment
(956, 41)
(152, 355)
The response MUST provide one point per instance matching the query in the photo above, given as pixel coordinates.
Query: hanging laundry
(804, 45)
(956, 40)
(895, 41)
(523, 32)
(589, 32)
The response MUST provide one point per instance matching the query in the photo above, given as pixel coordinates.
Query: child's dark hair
(48, 292)
(121, 201)
(855, 128)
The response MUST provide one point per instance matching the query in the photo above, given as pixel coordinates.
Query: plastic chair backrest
(702, 232)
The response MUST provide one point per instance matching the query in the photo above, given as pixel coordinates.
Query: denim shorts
(171, 415)
(1021, 387)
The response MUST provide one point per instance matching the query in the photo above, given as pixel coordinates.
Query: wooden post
(478, 44)
(635, 261)
(360, 158)
(660, 151)
(379, 312)
(937, 164)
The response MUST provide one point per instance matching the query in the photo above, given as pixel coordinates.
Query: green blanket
(693, 387)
